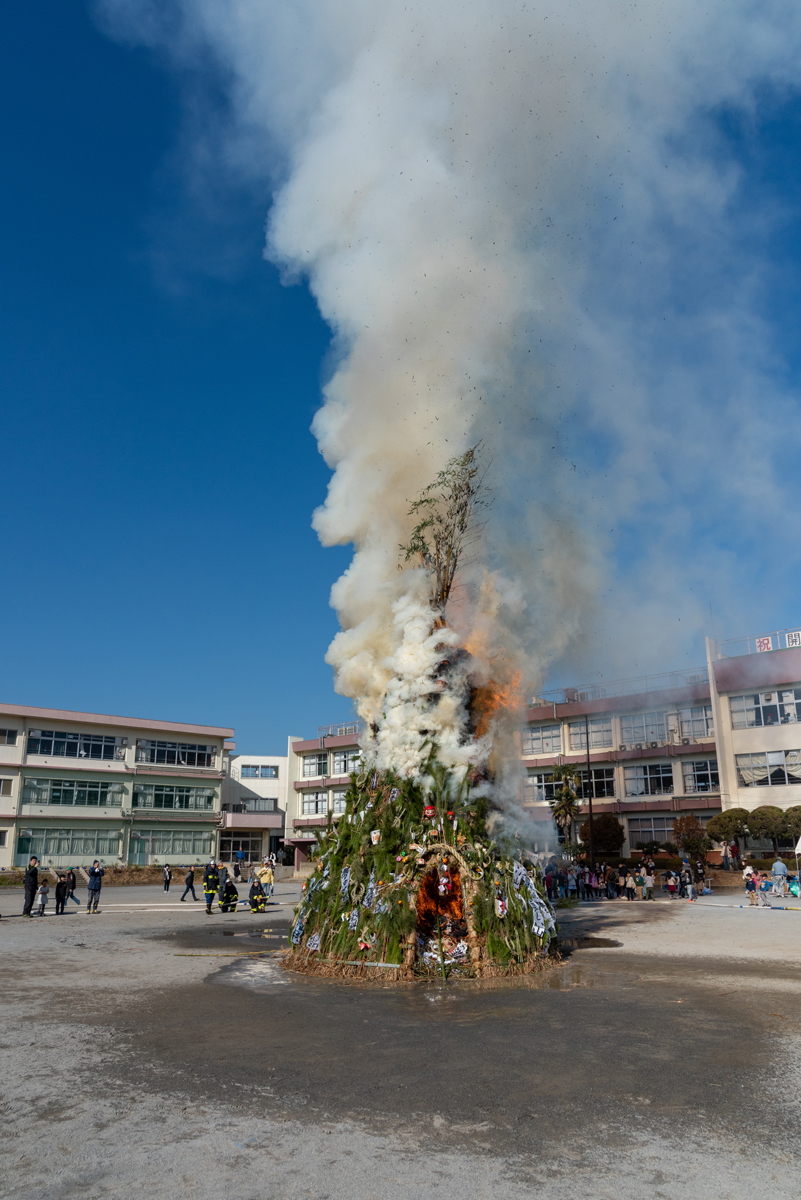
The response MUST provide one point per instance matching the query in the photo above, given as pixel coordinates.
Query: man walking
(31, 884)
(94, 885)
(211, 884)
(72, 883)
(189, 885)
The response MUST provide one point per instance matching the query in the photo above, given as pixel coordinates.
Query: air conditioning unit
(638, 745)
(685, 741)
(623, 747)
(653, 745)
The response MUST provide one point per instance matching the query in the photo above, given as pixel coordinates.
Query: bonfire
(410, 880)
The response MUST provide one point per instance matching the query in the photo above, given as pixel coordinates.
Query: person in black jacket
(189, 881)
(211, 884)
(256, 896)
(229, 896)
(167, 876)
(31, 884)
(61, 894)
(72, 883)
(94, 885)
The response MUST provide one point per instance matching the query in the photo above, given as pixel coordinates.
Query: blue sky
(158, 384)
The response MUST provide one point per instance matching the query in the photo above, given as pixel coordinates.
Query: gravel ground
(150, 1048)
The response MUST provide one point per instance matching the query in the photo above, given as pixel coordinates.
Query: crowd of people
(577, 882)
(218, 884)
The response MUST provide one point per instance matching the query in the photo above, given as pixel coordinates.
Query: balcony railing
(348, 729)
(622, 687)
(782, 639)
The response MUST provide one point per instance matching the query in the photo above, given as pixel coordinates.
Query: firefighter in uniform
(211, 884)
(257, 898)
(229, 897)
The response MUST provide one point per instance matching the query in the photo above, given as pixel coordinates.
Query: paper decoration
(313, 942)
(764, 643)
(297, 931)
(793, 639)
(354, 919)
(345, 882)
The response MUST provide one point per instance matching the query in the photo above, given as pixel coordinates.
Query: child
(41, 896)
(62, 887)
(751, 891)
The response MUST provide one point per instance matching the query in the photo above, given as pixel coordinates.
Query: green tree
(608, 834)
(793, 817)
(564, 805)
(731, 823)
(690, 835)
(768, 821)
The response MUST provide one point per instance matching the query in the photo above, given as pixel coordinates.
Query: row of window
(258, 772)
(656, 828)
(345, 762)
(55, 744)
(316, 803)
(92, 794)
(178, 754)
(157, 795)
(108, 794)
(8, 737)
(776, 768)
(766, 708)
(253, 804)
(641, 779)
(80, 844)
(75, 745)
(695, 722)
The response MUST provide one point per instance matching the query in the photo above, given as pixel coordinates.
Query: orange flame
(492, 697)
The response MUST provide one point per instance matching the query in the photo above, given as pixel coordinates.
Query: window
(80, 844)
(542, 739)
(8, 737)
(248, 841)
(774, 769)
(701, 776)
(3, 836)
(252, 804)
(603, 783)
(539, 787)
(251, 772)
(315, 804)
(766, 708)
(642, 727)
(657, 828)
(600, 734)
(75, 745)
(92, 793)
(696, 722)
(176, 754)
(653, 779)
(347, 761)
(314, 764)
(164, 795)
(5, 787)
(190, 844)
(340, 803)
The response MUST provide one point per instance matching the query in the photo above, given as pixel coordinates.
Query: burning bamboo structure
(409, 879)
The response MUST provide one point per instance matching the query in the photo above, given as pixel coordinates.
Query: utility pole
(590, 791)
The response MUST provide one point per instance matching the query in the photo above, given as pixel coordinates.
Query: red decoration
(429, 811)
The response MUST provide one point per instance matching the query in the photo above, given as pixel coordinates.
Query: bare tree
(447, 509)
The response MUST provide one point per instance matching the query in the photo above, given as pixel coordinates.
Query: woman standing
(630, 886)
(167, 873)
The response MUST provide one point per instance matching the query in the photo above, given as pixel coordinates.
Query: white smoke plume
(523, 225)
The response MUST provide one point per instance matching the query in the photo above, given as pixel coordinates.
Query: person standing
(751, 891)
(72, 883)
(779, 872)
(42, 896)
(61, 894)
(211, 884)
(189, 885)
(167, 876)
(31, 885)
(94, 885)
(649, 884)
(267, 880)
(630, 886)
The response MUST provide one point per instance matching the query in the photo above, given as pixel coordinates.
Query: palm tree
(564, 806)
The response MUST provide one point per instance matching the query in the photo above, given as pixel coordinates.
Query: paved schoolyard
(158, 1051)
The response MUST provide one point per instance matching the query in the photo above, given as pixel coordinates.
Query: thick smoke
(521, 222)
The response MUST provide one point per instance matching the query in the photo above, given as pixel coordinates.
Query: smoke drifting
(523, 225)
